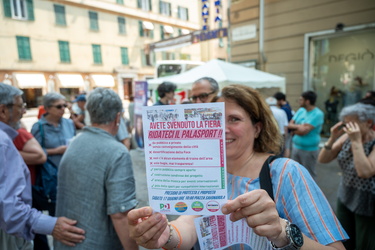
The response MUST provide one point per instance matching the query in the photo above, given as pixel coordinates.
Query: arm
(78, 121)
(335, 142)
(32, 153)
(120, 222)
(260, 212)
(365, 166)
(151, 230)
(300, 129)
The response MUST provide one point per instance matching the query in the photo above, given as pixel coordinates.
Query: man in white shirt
(280, 117)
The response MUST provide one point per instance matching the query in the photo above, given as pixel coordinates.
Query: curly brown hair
(269, 139)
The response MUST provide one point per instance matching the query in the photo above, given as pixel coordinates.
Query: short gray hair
(8, 93)
(103, 105)
(364, 112)
(52, 97)
(213, 83)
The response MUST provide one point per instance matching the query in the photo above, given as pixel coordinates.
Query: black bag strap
(265, 176)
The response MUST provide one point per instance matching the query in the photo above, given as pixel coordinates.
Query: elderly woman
(352, 143)
(299, 205)
(53, 131)
(96, 183)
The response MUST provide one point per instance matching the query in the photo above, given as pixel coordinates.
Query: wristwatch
(294, 235)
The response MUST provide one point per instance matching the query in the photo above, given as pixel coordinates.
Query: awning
(106, 81)
(25, 81)
(71, 80)
(148, 25)
(168, 29)
(185, 31)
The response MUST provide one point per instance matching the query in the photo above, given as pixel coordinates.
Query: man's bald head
(204, 90)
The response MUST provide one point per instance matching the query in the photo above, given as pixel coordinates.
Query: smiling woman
(287, 222)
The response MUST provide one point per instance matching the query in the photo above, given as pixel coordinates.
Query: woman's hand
(337, 130)
(147, 229)
(261, 215)
(353, 131)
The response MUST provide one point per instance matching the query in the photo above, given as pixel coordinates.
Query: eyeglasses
(203, 97)
(60, 106)
(21, 106)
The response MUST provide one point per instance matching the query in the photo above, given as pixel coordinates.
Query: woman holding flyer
(299, 217)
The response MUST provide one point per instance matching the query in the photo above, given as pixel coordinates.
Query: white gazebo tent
(224, 73)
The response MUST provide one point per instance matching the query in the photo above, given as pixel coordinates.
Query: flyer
(185, 158)
(219, 232)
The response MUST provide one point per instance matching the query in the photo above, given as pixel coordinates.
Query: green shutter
(7, 8)
(120, 1)
(143, 57)
(160, 2)
(24, 50)
(162, 32)
(150, 2)
(30, 9)
(139, 4)
(151, 33)
(124, 56)
(121, 25)
(59, 14)
(163, 55)
(96, 50)
(64, 51)
(94, 25)
(141, 33)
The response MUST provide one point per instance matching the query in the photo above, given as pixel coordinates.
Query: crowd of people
(88, 156)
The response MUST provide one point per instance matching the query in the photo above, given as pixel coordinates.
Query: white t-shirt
(281, 118)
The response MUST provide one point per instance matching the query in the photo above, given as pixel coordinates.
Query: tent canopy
(224, 73)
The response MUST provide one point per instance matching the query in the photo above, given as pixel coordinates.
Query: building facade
(325, 46)
(70, 46)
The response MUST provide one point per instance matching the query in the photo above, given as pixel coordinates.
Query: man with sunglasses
(18, 220)
(204, 90)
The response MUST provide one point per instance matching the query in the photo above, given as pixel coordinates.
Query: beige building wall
(285, 24)
(44, 35)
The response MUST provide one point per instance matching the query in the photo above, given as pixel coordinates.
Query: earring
(117, 124)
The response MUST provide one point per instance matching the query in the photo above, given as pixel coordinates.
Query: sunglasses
(60, 106)
(203, 97)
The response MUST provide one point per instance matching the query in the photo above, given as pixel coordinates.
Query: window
(185, 57)
(120, 1)
(166, 31)
(183, 13)
(59, 14)
(94, 25)
(147, 59)
(23, 45)
(121, 25)
(97, 54)
(144, 5)
(19, 9)
(165, 8)
(64, 52)
(124, 56)
(146, 29)
(167, 56)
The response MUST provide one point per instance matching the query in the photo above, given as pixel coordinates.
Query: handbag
(45, 188)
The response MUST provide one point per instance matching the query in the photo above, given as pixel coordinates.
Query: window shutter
(124, 56)
(143, 57)
(162, 32)
(140, 28)
(150, 5)
(139, 4)
(30, 9)
(7, 8)
(160, 7)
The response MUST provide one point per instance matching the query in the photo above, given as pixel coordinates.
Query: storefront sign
(206, 13)
(201, 36)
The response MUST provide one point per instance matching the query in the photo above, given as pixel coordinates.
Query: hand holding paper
(260, 213)
(147, 229)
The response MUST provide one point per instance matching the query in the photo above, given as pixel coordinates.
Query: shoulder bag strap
(41, 130)
(265, 176)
